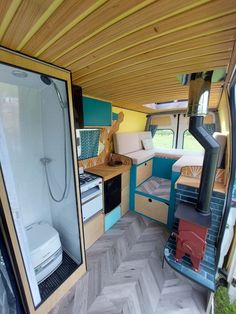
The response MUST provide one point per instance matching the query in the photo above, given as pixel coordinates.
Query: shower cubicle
(41, 213)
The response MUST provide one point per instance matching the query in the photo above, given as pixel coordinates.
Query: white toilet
(45, 249)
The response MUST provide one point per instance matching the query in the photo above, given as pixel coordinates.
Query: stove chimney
(199, 92)
(194, 221)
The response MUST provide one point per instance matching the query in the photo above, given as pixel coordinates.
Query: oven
(91, 195)
(112, 193)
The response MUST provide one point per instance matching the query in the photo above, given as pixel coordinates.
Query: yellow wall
(223, 110)
(224, 116)
(133, 121)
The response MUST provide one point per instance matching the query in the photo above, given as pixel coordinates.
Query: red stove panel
(191, 240)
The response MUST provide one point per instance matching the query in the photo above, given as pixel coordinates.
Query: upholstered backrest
(129, 142)
(221, 138)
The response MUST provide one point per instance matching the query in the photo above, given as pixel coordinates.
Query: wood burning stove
(191, 240)
(194, 221)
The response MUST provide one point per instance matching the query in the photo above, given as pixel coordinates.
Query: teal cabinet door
(96, 112)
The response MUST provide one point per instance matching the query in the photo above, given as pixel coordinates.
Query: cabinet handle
(150, 200)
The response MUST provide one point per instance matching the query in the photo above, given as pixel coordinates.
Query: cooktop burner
(86, 177)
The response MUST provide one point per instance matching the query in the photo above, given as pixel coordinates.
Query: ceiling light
(19, 73)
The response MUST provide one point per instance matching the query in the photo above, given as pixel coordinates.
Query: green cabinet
(96, 112)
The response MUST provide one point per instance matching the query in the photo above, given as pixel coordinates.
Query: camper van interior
(118, 156)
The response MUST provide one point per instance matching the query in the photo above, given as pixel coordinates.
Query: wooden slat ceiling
(127, 52)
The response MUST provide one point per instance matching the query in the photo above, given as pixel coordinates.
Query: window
(163, 138)
(189, 142)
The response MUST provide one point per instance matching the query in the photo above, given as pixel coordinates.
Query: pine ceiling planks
(98, 48)
(177, 57)
(22, 22)
(69, 14)
(7, 12)
(128, 52)
(105, 16)
(128, 76)
(136, 28)
(173, 48)
(198, 31)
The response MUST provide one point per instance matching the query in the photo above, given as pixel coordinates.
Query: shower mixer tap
(45, 160)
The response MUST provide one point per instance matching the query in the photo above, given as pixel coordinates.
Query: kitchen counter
(195, 183)
(108, 172)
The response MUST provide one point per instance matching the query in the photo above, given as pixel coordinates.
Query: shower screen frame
(26, 63)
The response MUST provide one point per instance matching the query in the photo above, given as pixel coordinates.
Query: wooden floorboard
(126, 275)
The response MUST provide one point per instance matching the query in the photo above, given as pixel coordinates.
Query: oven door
(92, 202)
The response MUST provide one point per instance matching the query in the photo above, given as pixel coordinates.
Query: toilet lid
(38, 234)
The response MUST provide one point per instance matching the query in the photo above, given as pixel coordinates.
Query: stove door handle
(90, 199)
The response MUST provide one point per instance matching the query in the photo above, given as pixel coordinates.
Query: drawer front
(144, 171)
(91, 207)
(93, 229)
(151, 208)
(124, 201)
(125, 179)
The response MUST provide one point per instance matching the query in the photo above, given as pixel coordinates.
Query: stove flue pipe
(199, 91)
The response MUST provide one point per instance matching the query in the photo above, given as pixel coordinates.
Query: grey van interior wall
(64, 214)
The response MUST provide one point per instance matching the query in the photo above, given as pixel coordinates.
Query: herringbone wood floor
(126, 275)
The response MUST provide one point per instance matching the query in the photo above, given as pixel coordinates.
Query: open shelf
(157, 188)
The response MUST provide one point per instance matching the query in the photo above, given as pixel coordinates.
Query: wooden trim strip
(9, 16)
(55, 4)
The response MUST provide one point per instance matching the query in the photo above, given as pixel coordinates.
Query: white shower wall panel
(23, 131)
(64, 214)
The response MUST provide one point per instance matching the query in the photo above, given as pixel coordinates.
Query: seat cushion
(147, 143)
(186, 161)
(125, 143)
(141, 156)
(221, 139)
(174, 153)
(128, 142)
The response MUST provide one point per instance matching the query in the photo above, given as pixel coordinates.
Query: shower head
(45, 79)
(48, 81)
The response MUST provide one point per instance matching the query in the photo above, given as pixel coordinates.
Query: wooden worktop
(108, 172)
(195, 182)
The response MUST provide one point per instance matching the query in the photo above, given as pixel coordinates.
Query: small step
(156, 187)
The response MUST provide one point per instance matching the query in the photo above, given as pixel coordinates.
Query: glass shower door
(39, 178)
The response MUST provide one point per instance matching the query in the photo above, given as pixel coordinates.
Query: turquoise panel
(132, 186)
(112, 217)
(174, 178)
(96, 112)
(162, 167)
(115, 116)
